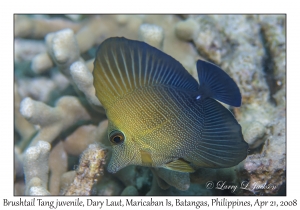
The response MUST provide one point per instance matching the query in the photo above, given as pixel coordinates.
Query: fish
(160, 116)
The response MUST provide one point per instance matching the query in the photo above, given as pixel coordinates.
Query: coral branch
(36, 187)
(39, 27)
(89, 172)
(152, 34)
(25, 50)
(83, 78)
(85, 135)
(41, 63)
(65, 53)
(36, 166)
(58, 164)
(24, 128)
(53, 120)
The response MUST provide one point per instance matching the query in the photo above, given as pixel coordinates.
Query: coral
(267, 168)
(25, 50)
(40, 89)
(58, 165)
(36, 168)
(41, 63)
(64, 51)
(89, 171)
(273, 28)
(36, 187)
(66, 180)
(85, 135)
(84, 81)
(273, 31)
(53, 120)
(23, 127)
(254, 134)
(38, 27)
(57, 116)
(152, 34)
(187, 29)
(208, 40)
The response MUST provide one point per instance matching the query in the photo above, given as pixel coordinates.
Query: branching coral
(24, 128)
(52, 121)
(58, 165)
(187, 29)
(85, 135)
(267, 169)
(84, 81)
(25, 50)
(152, 34)
(65, 53)
(36, 168)
(89, 171)
(56, 107)
(38, 27)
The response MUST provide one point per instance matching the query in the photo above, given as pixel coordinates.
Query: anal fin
(180, 165)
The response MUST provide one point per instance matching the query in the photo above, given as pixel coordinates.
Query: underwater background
(57, 115)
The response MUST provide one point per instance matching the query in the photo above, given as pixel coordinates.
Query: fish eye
(116, 137)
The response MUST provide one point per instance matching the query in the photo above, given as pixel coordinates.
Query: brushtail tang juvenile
(159, 116)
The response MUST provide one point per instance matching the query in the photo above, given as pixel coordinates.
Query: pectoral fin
(180, 165)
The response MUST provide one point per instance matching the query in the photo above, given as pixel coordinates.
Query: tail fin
(222, 144)
(215, 83)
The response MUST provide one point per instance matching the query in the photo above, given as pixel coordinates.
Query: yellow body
(153, 124)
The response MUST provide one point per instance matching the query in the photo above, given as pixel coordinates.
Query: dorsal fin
(123, 65)
(215, 83)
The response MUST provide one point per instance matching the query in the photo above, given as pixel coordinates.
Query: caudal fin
(215, 83)
(221, 144)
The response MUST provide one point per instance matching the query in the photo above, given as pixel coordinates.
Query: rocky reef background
(60, 138)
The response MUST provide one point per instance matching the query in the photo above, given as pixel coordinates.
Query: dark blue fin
(215, 83)
(222, 144)
(123, 65)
